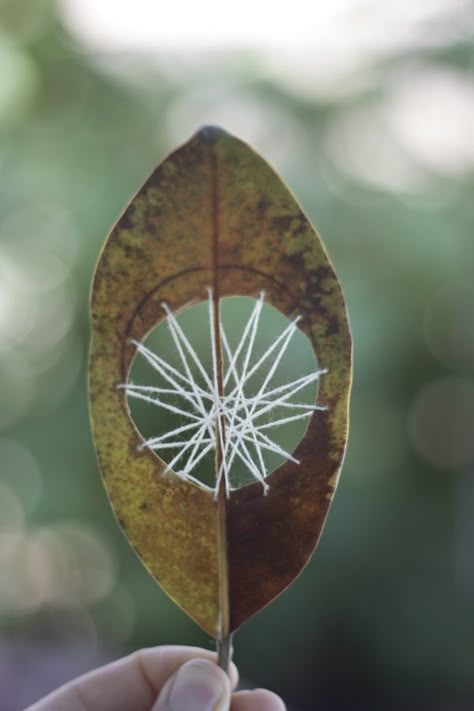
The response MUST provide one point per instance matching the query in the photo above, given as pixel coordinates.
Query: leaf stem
(224, 651)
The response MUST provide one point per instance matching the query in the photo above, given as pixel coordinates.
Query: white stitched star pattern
(239, 423)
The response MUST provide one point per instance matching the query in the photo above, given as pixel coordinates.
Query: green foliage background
(383, 617)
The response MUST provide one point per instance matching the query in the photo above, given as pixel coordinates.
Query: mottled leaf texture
(215, 215)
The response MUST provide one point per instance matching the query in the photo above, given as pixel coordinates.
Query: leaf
(215, 215)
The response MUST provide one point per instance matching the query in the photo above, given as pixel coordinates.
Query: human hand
(159, 679)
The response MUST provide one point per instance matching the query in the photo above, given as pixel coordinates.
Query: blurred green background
(376, 141)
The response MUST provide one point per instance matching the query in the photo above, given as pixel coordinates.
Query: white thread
(249, 421)
(239, 397)
(160, 403)
(219, 413)
(232, 418)
(162, 366)
(177, 334)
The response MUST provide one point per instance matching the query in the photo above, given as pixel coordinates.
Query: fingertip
(161, 662)
(209, 669)
(233, 676)
(257, 700)
(270, 699)
(199, 684)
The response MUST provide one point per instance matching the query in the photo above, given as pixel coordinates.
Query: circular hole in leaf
(270, 387)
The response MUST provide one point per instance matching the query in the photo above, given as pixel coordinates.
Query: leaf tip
(210, 134)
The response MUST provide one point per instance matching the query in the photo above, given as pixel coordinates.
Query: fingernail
(199, 685)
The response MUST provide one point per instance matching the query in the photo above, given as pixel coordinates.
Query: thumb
(199, 685)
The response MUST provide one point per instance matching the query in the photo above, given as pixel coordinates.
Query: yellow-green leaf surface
(215, 215)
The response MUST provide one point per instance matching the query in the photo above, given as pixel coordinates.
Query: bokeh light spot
(449, 327)
(441, 422)
(20, 471)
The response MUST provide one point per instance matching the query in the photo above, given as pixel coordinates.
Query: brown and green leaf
(214, 214)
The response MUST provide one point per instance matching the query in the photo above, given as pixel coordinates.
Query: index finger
(132, 682)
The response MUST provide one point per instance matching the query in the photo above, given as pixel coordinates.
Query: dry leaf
(215, 215)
